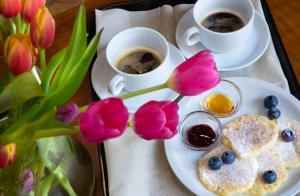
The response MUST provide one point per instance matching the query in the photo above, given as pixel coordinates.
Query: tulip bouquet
(35, 116)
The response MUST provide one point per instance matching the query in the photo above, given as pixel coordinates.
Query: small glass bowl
(226, 88)
(197, 118)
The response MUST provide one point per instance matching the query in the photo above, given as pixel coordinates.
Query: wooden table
(286, 14)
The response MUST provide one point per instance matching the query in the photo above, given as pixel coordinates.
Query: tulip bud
(195, 75)
(42, 28)
(156, 120)
(67, 113)
(27, 182)
(7, 154)
(10, 8)
(18, 53)
(104, 120)
(30, 7)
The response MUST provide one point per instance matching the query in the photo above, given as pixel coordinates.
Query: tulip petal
(104, 120)
(170, 109)
(165, 133)
(195, 75)
(27, 181)
(67, 113)
(18, 53)
(149, 120)
(7, 154)
(42, 28)
(10, 8)
(30, 7)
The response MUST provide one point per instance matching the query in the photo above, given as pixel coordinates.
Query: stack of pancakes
(257, 144)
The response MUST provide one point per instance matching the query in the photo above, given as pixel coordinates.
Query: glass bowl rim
(237, 105)
(218, 133)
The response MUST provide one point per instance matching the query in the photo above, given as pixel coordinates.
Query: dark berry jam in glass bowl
(200, 130)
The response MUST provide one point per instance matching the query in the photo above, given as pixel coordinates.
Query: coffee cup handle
(116, 85)
(191, 36)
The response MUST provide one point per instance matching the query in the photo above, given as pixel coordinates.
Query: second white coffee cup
(220, 41)
(131, 38)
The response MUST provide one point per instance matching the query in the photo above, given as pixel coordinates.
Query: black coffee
(139, 60)
(223, 22)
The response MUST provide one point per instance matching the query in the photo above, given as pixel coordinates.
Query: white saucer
(238, 58)
(102, 74)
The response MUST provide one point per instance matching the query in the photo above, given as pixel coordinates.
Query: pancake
(269, 160)
(250, 135)
(290, 151)
(231, 178)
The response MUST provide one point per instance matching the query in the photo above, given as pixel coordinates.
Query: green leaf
(21, 89)
(72, 84)
(26, 147)
(75, 50)
(28, 128)
(53, 64)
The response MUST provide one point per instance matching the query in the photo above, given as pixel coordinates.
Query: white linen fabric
(139, 167)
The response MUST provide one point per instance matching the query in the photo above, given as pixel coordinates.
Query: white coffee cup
(137, 37)
(220, 41)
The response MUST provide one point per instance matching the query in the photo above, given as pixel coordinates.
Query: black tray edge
(281, 52)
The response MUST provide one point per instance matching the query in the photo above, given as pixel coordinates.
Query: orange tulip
(30, 7)
(42, 28)
(18, 53)
(10, 8)
(7, 154)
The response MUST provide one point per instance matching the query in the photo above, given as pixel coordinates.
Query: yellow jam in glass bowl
(219, 104)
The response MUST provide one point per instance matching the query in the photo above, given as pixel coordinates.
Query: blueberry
(274, 113)
(287, 135)
(228, 157)
(147, 57)
(215, 163)
(269, 176)
(270, 101)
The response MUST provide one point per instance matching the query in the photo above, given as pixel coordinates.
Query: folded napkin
(139, 167)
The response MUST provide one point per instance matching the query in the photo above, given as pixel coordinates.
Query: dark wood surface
(286, 14)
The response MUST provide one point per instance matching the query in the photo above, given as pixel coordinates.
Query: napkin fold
(139, 167)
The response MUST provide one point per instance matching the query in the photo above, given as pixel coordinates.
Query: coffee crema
(138, 60)
(223, 22)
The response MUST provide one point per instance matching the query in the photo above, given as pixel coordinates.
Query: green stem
(27, 28)
(63, 180)
(40, 173)
(19, 23)
(143, 91)
(42, 56)
(12, 26)
(54, 132)
(83, 108)
(46, 185)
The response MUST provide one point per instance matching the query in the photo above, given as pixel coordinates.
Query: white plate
(183, 161)
(238, 58)
(102, 74)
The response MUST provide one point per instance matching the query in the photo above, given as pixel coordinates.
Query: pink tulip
(196, 75)
(7, 154)
(67, 113)
(42, 28)
(27, 182)
(30, 7)
(104, 120)
(156, 120)
(10, 8)
(18, 53)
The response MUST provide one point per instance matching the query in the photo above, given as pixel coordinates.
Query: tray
(143, 5)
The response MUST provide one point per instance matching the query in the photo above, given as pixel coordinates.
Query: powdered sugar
(234, 177)
(289, 150)
(249, 134)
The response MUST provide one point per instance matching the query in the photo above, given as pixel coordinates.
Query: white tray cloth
(139, 167)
